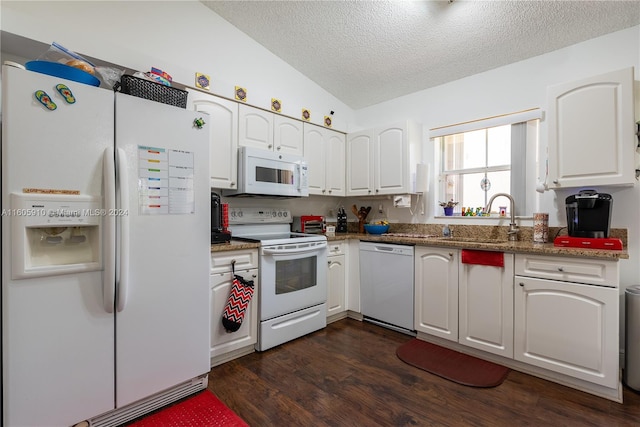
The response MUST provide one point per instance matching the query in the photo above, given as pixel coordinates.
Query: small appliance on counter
(309, 224)
(588, 221)
(342, 221)
(219, 220)
(589, 214)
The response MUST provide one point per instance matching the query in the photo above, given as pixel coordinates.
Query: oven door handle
(295, 250)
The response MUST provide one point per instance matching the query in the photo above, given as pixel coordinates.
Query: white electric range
(292, 273)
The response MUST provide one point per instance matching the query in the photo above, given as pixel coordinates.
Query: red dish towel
(495, 259)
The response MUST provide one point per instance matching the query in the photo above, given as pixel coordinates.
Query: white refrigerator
(105, 253)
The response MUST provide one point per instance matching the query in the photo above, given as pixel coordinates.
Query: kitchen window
(485, 157)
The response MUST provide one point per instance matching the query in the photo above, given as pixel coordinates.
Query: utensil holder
(540, 227)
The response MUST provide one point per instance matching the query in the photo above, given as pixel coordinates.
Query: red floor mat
(201, 410)
(452, 365)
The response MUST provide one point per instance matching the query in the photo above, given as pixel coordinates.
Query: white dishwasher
(386, 285)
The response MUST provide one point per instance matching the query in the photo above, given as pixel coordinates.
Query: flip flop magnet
(45, 100)
(66, 93)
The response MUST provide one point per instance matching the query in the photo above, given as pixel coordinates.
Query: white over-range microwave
(266, 173)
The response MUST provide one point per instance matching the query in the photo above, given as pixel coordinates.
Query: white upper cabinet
(592, 131)
(268, 131)
(287, 135)
(391, 159)
(255, 127)
(381, 161)
(315, 154)
(360, 163)
(324, 152)
(335, 166)
(222, 126)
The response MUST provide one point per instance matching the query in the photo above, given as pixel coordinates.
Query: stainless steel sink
(450, 239)
(473, 240)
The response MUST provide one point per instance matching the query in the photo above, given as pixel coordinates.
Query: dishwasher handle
(387, 248)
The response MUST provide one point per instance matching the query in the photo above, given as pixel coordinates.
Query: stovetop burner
(277, 236)
(268, 226)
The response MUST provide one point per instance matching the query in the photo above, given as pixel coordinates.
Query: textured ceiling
(366, 52)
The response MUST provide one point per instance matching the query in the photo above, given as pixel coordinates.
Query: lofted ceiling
(367, 52)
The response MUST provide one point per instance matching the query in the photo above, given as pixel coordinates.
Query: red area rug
(452, 365)
(201, 410)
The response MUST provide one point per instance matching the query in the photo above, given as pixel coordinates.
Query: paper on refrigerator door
(165, 181)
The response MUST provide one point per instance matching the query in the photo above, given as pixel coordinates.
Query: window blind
(488, 122)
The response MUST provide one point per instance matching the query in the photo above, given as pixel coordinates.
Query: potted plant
(448, 207)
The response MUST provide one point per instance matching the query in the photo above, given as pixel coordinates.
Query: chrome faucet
(513, 228)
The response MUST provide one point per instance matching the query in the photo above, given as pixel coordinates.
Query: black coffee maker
(219, 233)
(589, 214)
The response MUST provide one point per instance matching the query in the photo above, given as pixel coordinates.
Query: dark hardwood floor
(349, 375)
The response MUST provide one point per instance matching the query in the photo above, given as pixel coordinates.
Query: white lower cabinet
(466, 303)
(336, 281)
(225, 345)
(556, 317)
(565, 327)
(436, 291)
(485, 304)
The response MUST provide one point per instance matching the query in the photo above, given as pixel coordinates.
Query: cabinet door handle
(560, 268)
(555, 181)
(279, 147)
(269, 146)
(450, 254)
(521, 284)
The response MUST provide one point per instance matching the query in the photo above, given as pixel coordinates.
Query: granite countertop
(503, 246)
(490, 238)
(234, 245)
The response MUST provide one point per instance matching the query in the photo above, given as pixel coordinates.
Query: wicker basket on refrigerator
(153, 91)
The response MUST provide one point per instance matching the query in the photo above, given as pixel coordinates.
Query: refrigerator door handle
(109, 224)
(123, 261)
